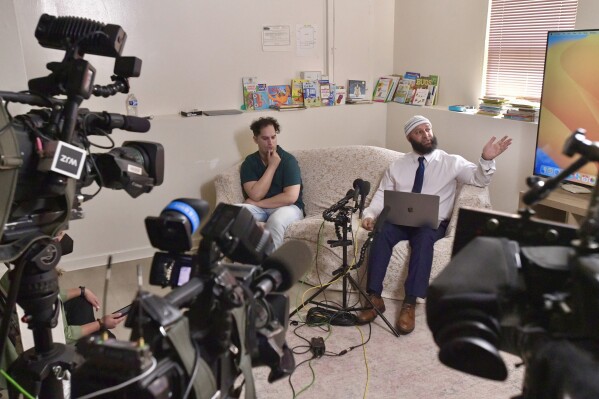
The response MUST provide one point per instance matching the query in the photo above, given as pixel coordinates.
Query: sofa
(327, 175)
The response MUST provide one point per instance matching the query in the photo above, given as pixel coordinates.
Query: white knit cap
(415, 121)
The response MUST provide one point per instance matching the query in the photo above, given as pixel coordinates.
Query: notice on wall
(305, 37)
(276, 38)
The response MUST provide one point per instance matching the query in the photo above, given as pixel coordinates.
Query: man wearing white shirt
(442, 172)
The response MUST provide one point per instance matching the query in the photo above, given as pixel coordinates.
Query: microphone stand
(343, 221)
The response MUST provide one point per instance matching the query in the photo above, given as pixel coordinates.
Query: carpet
(386, 367)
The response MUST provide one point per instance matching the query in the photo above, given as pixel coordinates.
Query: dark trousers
(79, 311)
(421, 239)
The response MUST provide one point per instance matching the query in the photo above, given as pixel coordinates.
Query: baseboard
(69, 263)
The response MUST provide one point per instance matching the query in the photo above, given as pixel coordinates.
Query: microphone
(357, 189)
(327, 214)
(111, 121)
(365, 189)
(283, 268)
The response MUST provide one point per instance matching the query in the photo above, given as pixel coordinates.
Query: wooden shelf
(562, 206)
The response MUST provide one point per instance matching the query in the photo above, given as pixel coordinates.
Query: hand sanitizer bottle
(131, 105)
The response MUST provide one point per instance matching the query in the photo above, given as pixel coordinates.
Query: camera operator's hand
(110, 321)
(368, 224)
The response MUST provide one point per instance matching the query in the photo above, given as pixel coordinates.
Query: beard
(424, 149)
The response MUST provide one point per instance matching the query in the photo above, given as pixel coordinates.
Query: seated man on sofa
(271, 181)
(430, 171)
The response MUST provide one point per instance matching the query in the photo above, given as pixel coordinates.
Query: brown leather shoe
(366, 316)
(407, 319)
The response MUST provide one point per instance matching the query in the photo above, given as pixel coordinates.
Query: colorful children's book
(297, 91)
(279, 95)
(249, 87)
(340, 94)
(420, 96)
(382, 89)
(326, 93)
(260, 97)
(311, 94)
(356, 89)
(432, 90)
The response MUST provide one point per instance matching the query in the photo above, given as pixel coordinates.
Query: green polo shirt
(287, 174)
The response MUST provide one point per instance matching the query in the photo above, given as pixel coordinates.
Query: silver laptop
(412, 209)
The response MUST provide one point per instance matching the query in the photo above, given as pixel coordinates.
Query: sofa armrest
(228, 186)
(471, 196)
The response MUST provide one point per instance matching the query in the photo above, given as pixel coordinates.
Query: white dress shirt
(441, 174)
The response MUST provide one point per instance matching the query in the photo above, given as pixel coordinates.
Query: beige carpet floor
(386, 367)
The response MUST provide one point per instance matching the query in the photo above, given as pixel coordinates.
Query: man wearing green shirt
(271, 181)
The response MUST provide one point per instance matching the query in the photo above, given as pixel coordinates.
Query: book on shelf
(421, 89)
(326, 98)
(382, 88)
(356, 89)
(249, 87)
(522, 110)
(255, 96)
(420, 96)
(357, 101)
(433, 88)
(411, 75)
(340, 94)
(279, 94)
(396, 79)
(493, 106)
(260, 97)
(297, 91)
(288, 107)
(402, 91)
(411, 82)
(311, 93)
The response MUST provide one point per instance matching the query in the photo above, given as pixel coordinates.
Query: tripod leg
(365, 295)
(307, 301)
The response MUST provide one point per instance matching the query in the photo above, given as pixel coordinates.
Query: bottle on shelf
(132, 105)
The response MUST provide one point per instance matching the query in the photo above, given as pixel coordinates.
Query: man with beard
(271, 181)
(442, 172)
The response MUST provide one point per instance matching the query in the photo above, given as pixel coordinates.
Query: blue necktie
(419, 177)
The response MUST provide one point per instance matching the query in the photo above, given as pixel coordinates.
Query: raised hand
(493, 148)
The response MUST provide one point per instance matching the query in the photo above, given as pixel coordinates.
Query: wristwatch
(82, 288)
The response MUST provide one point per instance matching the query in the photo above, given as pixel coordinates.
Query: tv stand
(575, 188)
(561, 206)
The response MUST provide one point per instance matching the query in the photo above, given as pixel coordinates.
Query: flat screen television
(570, 100)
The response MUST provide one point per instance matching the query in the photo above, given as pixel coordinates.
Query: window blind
(517, 41)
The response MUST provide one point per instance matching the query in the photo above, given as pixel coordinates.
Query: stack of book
(492, 106)
(522, 110)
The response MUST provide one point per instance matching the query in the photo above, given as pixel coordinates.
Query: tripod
(34, 285)
(343, 221)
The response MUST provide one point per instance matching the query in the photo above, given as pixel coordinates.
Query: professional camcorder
(45, 162)
(46, 157)
(235, 315)
(525, 286)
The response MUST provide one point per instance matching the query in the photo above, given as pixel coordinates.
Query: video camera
(525, 286)
(45, 162)
(46, 157)
(235, 318)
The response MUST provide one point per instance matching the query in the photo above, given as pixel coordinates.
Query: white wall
(450, 42)
(172, 38)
